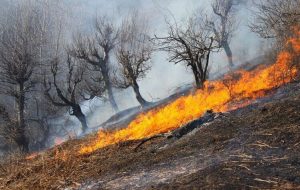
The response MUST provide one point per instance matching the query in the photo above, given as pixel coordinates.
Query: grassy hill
(254, 147)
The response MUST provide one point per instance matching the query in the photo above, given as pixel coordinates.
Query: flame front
(218, 95)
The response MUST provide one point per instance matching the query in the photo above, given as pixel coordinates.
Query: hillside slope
(253, 147)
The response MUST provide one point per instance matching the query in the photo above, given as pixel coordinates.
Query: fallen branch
(267, 181)
(262, 145)
(209, 116)
(149, 139)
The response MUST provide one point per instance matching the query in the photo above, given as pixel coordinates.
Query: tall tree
(191, 45)
(19, 60)
(53, 25)
(133, 54)
(96, 50)
(224, 25)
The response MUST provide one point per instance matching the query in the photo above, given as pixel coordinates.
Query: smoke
(165, 77)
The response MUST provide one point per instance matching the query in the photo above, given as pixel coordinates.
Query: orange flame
(58, 141)
(32, 156)
(217, 95)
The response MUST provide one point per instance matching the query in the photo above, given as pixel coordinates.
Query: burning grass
(217, 95)
(254, 147)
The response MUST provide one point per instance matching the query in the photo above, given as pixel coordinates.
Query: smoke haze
(164, 77)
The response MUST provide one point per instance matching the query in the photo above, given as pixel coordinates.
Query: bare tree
(276, 18)
(19, 50)
(190, 45)
(96, 51)
(133, 54)
(224, 25)
(73, 92)
(53, 26)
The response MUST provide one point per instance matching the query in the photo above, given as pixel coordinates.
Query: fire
(58, 141)
(218, 95)
(32, 156)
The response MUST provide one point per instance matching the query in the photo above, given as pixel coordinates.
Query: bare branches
(274, 18)
(70, 94)
(95, 51)
(20, 43)
(191, 45)
(223, 8)
(133, 53)
(67, 94)
(106, 33)
(19, 51)
(85, 49)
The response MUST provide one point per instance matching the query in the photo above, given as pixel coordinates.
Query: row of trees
(43, 77)
(40, 74)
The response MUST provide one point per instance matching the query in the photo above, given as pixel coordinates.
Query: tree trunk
(46, 135)
(138, 95)
(111, 97)
(80, 116)
(109, 89)
(228, 53)
(21, 106)
(21, 138)
(199, 84)
(22, 141)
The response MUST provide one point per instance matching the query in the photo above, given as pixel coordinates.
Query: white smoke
(164, 76)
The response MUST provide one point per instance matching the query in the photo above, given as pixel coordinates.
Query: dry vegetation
(255, 147)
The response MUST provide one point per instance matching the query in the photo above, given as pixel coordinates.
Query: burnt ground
(256, 147)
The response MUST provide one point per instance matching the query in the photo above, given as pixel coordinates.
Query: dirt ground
(257, 147)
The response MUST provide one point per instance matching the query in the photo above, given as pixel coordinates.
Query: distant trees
(224, 25)
(96, 51)
(275, 19)
(191, 45)
(19, 59)
(27, 31)
(133, 53)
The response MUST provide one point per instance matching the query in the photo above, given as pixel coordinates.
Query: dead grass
(259, 147)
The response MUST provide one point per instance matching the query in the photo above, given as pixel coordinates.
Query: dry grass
(258, 148)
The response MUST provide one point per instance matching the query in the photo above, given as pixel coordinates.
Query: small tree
(96, 51)
(73, 92)
(133, 54)
(190, 45)
(223, 26)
